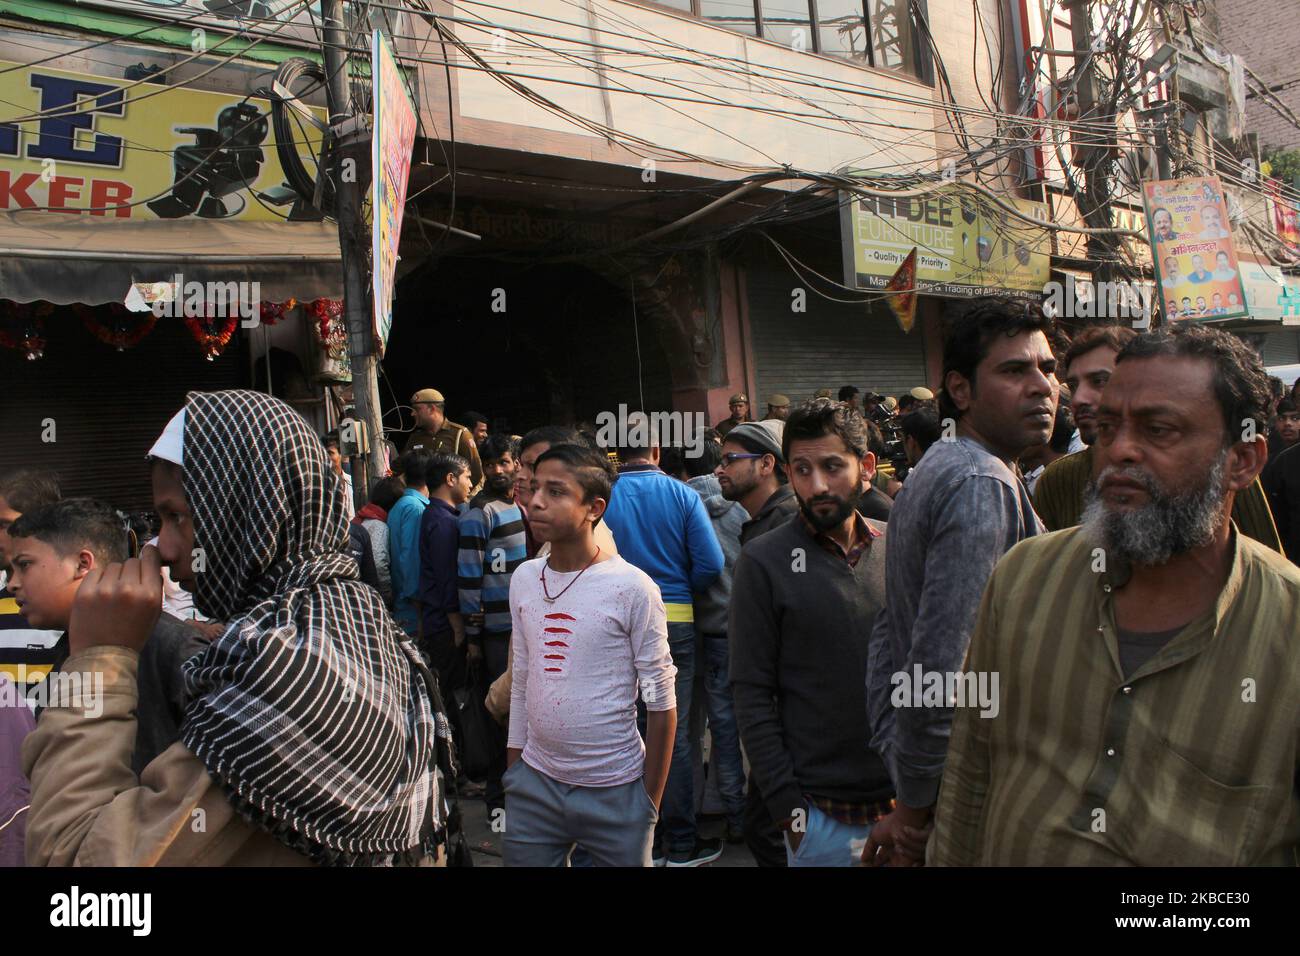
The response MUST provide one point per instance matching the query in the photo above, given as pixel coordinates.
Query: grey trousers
(544, 818)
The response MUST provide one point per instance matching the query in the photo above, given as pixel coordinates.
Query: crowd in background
(551, 626)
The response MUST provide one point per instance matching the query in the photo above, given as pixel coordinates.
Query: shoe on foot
(733, 835)
(705, 851)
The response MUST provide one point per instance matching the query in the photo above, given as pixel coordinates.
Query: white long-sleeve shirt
(578, 664)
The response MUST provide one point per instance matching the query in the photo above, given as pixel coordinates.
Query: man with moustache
(961, 509)
(1148, 658)
(1059, 494)
(751, 473)
(739, 406)
(802, 599)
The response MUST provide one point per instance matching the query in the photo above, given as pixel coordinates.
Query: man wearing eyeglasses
(435, 432)
(751, 474)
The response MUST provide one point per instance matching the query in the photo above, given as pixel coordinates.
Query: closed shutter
(1281, 348)
(830, 345)
(106, 407)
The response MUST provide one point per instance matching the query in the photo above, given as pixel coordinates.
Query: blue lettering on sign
(8, 139)
(56, 137)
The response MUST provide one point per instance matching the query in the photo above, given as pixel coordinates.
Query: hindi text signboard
(1191, 244)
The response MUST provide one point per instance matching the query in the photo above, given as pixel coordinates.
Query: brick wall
(1266, 33)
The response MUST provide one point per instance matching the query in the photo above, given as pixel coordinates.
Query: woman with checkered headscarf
(313, 731)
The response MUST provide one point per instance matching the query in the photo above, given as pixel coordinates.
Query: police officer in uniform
(434, 432)
(739, 404)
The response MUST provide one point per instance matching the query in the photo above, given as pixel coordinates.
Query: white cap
(171, 443)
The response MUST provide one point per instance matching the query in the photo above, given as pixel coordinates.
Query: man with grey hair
(1148, 657)
(663, 528)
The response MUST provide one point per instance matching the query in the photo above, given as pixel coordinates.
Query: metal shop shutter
(1281, 348)
(108, 407)
(831, 345)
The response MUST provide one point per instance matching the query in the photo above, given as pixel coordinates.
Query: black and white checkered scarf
(315, 717)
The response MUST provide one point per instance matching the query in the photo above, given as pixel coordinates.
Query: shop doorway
(565, 345)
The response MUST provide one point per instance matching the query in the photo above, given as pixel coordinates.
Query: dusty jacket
(728, 518)
(776, 511)
(89, 809)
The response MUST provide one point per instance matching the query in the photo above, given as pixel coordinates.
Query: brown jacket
(89, 809)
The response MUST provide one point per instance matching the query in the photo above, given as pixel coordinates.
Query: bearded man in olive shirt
(1148, 662)
(1058, 497)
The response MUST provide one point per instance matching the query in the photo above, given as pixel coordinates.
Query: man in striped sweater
(1058, 496)
(492, 545)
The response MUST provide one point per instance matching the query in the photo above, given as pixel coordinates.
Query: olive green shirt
(450, 439)
(1058, 499)
(1191, 761)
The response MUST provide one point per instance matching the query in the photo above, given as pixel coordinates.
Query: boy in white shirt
(589, 630)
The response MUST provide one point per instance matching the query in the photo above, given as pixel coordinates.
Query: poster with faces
(1191, 242)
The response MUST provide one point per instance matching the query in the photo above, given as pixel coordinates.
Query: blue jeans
(724, 755)
(678, 824)
(827, 842)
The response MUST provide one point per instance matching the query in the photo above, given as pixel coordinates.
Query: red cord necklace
(547, 594)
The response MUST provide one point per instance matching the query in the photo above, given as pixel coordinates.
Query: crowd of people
(858, 598)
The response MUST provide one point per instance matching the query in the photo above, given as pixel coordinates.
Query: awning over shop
(95, 261)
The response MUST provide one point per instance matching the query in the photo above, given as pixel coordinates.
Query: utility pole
(1097, 160)
(1164, 151)
(354, 246)
(1163, 157)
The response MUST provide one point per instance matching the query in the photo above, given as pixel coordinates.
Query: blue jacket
(404, 555)
(667, 532)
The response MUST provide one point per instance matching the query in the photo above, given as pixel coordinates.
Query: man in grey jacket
(752, 474)
(961, 509)
(727, 517)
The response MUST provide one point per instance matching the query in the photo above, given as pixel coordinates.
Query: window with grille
(890, 34)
